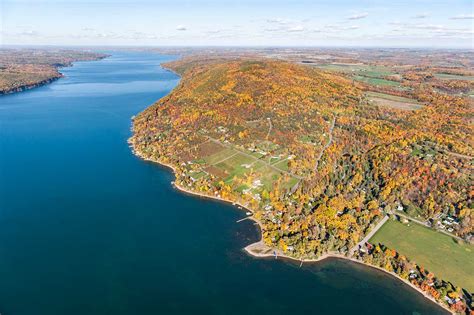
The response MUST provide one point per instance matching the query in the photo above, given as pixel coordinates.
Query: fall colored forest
(22, 69)
(315, 160)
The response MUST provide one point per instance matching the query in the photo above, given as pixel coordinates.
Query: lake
(88, 228)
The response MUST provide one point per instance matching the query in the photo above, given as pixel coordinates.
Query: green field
(377, 81)
(433, 250)
(372, 75)
(393, 101)
(229, 164)
(392, 97)
(445, 76)
(366, 70)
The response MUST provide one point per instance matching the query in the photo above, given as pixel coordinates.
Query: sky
(365, 23)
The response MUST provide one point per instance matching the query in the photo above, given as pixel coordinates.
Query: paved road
(368, 236)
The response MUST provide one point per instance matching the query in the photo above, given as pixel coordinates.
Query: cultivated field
(435, 251)
(232, 165)
(378, 81)
(360, 69)
(371, 75)
(392, 101)
(445, 76)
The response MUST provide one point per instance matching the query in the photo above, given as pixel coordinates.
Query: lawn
(433, 250)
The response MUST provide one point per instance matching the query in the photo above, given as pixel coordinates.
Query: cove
(86, 227)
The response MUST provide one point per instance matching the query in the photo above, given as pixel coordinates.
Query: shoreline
(255, 248)
(26, 87)
(59, 75)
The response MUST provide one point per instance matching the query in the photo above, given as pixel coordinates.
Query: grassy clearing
(435, 251)
(269, 175)
(282, 165)
(366, 70)
(219, 156)
(445, 76)
(392, 101)
(231, 166)
(392, 97)
(377, 81)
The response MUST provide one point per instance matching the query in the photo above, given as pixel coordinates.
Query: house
(413, 274)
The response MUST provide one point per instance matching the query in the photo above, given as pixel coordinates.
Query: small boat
(248, 213)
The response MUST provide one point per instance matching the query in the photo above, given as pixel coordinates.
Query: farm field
(377, 81)
(445, 76)
(361, 69)
(435, 251)
(393, 101)
(232, 166)
(372, 75)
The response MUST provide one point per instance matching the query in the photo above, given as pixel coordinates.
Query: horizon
(263, 23)
(99, 46)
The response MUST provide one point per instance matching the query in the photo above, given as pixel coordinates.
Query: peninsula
(24, 69)
(324, 164)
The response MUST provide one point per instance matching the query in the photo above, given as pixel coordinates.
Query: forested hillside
(316, 162)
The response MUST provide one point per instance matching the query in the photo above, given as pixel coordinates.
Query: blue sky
(398, 23)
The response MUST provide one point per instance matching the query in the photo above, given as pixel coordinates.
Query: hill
(317, 162)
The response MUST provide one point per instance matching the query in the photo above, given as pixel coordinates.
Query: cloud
(463, 17)
(427, 26)
(278, 21)
(29, 33)
(352, 27)
(358, 16)
(340, 27)
(421, 30)
(273, 29)
(421, 16)
(297, 28)
(181, 28)
(107, 35)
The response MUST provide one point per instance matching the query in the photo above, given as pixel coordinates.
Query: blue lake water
(88, 228)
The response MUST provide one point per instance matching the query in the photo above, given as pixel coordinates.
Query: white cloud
(297, 28)
(421, 16)
(340, 27)
(358, 16)
(463, 17)
(30, 33)
(426, 26)
(181, 28)
(278, 21)
(352, 27)
(273, 29)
